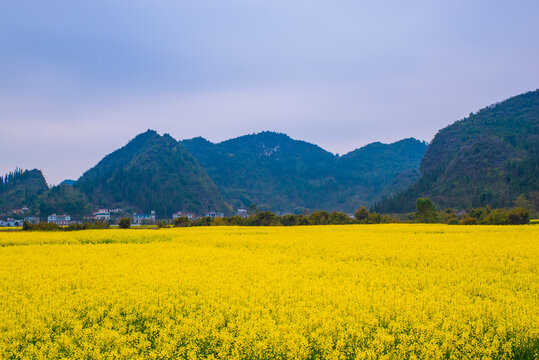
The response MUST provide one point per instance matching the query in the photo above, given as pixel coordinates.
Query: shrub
(361, 214)
(182, 221)
(518, 216)
(124, 223)
(289, 220)
(468, 220)
(495, 217)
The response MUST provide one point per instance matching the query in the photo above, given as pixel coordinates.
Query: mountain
(488, 158)
(151, 172)
(377, 169)
(268, 169)
(279, 173)
(21, 188)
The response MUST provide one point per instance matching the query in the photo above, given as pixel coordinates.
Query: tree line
(426, 212)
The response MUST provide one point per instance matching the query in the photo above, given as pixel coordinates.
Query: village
(17, 217)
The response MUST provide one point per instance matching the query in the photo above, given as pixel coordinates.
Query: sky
(79, 79)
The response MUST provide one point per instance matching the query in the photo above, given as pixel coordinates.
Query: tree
(319, 217)
(426, 212)
(361, 214)
(252, 209)
(339, 218)
(289, 220)
(264, 218)
(523, 202)
(124, 223)
(182, 221)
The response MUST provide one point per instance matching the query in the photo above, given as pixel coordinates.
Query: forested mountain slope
(489, 158)
(21, 188)
(151, 172)
(279, 173)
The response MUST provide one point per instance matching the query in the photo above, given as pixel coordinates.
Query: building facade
(34, 220)
(60, 220)
(213, 215)
(102, 215)
(11, 223)
(144, 218)
(188, 215)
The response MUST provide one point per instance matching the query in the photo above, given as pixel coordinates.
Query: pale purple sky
(79, 79)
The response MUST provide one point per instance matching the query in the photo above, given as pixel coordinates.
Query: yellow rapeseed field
(320, 292)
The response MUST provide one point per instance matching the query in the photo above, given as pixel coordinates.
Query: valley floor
(334, 292)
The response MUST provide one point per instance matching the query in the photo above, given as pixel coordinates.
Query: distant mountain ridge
(277, 172)
(271, 170)
(488, 158)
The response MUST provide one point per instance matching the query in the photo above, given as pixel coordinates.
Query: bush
(361, 213)
(288, 220)
(339, 218)
(182, 221)
(468, 220)
(518, 216)
(495, 217)
(124, 223)
(41, 227)
(263, 218)
(302, 220)
(217, 221)
(319, 217)
(73, 227)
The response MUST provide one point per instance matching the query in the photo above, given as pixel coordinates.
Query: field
(331, 292)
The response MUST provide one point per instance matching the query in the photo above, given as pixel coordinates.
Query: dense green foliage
(426, 212)
(151, 172)
(124, 223)
(489, 158)
(64, 199)
(488, 216)
(279, 173)
(29, 188)
(367, 174)
(268, 218)
(72, 227)
(21, 188)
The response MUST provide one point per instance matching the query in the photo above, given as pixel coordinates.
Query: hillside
(63, 199)
(377, 169)
(277, 172)
(151, 172)
(268, 169)
(489, 158)
(21, 188)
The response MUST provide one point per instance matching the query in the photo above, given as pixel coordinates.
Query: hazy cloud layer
(79, 79)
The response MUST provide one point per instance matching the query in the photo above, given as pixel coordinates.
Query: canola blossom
(318, 292)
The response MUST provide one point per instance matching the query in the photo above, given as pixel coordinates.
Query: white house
(140, 218)
(190, 216)
(102, 215)
(32, 220)
(213, 215)
(59, 219)
(11, 223)
(242, 213)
